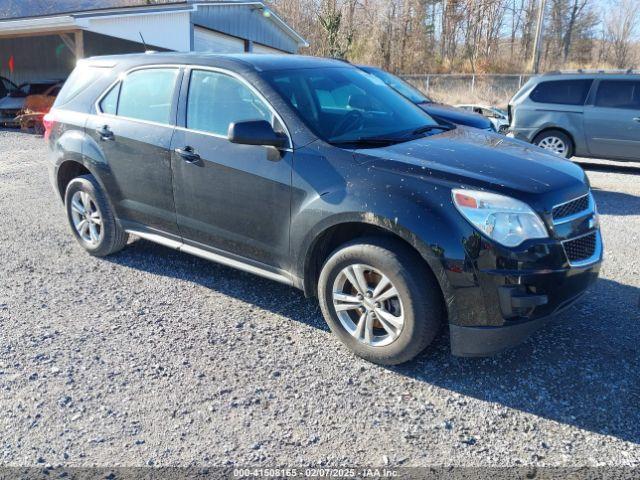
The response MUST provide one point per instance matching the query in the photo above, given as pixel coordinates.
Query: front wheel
(379, 299)
(556, 142)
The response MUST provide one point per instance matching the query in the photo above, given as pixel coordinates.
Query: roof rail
(580, 71)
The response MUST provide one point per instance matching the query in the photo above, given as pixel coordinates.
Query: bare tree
(621, 25)
(576, 9)
(416, 36)
(569, 21)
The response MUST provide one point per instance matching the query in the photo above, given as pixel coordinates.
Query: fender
(429, 234)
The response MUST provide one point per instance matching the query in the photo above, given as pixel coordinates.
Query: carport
(47, 47)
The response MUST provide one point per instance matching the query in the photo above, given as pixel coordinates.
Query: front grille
(581, 248)
(571, 208)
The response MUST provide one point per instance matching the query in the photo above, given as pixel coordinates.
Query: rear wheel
(378, 299)
(91, 219)
(556, 142)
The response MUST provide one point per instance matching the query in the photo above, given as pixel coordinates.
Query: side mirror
(255, 132)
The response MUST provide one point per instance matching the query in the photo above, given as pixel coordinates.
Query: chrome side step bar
(282, 277)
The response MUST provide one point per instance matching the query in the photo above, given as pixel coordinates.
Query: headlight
(504, 219)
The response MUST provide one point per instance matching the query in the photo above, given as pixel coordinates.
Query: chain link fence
(487, 89)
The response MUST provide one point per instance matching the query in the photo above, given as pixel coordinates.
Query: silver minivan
(583, 114)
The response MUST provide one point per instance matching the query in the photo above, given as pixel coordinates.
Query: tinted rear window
(562, 92)
(623, 94)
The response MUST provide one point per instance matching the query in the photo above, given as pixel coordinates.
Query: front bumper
(530, 305)
(487, 341)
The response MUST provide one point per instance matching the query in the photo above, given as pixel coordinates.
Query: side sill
(214, 257)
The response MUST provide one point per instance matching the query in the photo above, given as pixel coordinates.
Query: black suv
(310, 172)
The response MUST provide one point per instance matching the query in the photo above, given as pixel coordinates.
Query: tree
(569, 20)
(419, 36)
(621, 25)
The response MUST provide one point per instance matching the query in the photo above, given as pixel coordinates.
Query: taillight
(47, 121)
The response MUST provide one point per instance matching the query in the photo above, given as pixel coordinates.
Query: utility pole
(535, 64)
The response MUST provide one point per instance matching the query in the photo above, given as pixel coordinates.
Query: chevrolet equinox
(316, 174)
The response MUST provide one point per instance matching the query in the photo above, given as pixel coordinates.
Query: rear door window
(562, 92)
(623, 94)
(148, 95)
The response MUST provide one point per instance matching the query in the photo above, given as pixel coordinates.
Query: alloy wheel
(555, 145)
(368, 305)
(87, 219)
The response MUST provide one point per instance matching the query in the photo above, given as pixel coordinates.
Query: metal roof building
(47, 47)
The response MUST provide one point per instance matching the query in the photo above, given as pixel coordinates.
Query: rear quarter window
(562, 92)
(80, 79)
(109, 103)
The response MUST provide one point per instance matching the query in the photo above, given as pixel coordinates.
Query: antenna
(143, 42)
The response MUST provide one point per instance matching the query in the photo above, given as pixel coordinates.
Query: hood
(455, 115)
(476, 159)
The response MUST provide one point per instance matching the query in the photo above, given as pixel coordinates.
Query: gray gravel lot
(154, 357)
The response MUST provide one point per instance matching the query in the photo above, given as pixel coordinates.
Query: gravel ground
(154, 357)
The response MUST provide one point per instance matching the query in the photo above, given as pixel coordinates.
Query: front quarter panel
(333, 186)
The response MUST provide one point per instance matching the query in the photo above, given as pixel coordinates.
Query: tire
(555, 141)
(111, 237)
(418, 300)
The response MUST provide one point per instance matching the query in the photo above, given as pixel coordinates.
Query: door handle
(188, 154)
(105, 133)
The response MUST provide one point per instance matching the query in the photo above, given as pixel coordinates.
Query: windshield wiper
(369, 141)
(379, 141)
(428, 128)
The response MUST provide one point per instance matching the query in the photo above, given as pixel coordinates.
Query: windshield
(343, 105)
(400, 86)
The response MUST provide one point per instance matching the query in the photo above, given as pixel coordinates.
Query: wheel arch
(76, 154)
(67, 171)
(341, 230)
